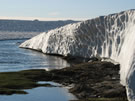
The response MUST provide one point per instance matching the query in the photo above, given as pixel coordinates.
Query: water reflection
(42, 94)
(13, 58)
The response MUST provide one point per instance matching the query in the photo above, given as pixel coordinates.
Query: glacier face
(110, 36)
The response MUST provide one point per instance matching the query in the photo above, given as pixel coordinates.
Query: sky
(61, 9)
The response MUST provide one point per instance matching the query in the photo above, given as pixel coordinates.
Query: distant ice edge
(111, 36)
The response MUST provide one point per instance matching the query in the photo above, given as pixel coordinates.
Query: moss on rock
(93, 81)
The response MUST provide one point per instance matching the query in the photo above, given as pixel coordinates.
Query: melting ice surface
(111, 36)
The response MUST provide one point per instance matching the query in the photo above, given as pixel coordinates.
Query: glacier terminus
(111, 36)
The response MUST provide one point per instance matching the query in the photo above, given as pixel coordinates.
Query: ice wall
(110, 36)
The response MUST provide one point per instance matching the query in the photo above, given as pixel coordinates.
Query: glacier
(111, 36)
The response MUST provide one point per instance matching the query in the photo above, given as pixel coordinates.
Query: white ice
(111, 36)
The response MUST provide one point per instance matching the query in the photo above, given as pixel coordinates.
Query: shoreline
(93, 81)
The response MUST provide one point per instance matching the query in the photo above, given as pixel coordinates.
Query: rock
(75, 59)
(92, 59)
(92, 79)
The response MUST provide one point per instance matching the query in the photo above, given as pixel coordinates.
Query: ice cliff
(110, 36)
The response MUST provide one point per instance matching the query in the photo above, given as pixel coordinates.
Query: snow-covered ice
(111, 36)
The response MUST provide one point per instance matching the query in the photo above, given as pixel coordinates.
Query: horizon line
(41, 18)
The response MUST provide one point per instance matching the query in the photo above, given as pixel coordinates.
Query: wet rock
(93, 79)
(90, 80)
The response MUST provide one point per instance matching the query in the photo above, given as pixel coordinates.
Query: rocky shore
(91, 81)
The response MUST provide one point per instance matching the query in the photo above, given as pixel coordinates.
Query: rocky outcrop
(92, 80)
(89, 80)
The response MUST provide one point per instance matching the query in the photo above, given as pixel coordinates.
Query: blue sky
(61, 9)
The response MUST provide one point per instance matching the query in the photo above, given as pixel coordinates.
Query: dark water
(13, 58)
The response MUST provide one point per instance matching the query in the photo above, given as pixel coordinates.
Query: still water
(13, 58)
(41, 94)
